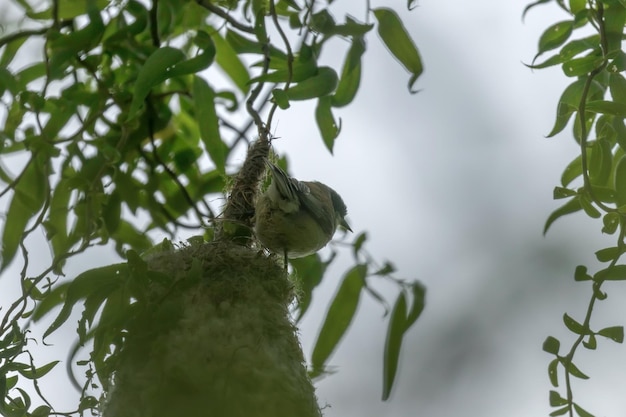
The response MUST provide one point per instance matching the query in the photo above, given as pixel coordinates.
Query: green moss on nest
(218, 342)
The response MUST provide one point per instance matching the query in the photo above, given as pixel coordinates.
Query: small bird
(297, 218)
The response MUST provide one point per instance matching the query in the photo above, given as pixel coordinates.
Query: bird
(297, 218)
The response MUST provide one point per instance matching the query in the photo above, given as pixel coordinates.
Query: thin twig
(227, 17)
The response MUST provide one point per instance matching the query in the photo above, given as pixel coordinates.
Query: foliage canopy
(124, 121)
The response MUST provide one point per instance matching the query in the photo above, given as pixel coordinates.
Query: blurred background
(453, 185)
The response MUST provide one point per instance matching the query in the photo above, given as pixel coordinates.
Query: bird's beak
(343, 223)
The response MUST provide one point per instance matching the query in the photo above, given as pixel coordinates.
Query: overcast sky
(454, 185)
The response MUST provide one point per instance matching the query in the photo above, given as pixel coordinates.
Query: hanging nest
(217, 341)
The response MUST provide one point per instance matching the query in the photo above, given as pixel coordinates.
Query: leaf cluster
(126, 122)
(595, 181)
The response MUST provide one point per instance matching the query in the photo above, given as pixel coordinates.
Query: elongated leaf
(620, 181)
(600, 162)
(63, 47)
(396, 38)
(199, 62)
(555, 36)
(393, 343)
(608, 254)
(614, 19)
(228, 60)
(571, 206)
(611, 222)
(607, 107)
(419, 302)
(560, 411)
(574, 371)
(582, 66)
(570, 100)
(29, 197)
(350, 74)
(319, 85)
(573, 325)
(582, 412)
(615, 333)
(614, 273)
(94, 281)
(310, 271)
(204, 104)
(328, 127)
(154, 71)
(572, 171)
(553, 373)
(39, 372)
(338, 317)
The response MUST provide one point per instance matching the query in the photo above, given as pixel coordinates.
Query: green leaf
(153, 72)
(533, 4)
(615, 333)
(572, 171)
(570, 100)
(581, 274)
(576, 6)
(611, 222)
(573, 325)
(62, 47)
(352, 28)
(322, 22)
(93, 282)
(41, 411)
(560, 411)
(614, 20)
(582, 412)
(574, 371)
(9, 51)
(39, 372)
(339, 316)
(30, 194)
(51, 299)
(326, 122)
(359, 240)
(199, 62)
(571, 206)
(582, 66)
(591, 343)
(321, 84)
(561, 192)
(551, 345)
(588, 207)
(613, 273)
(230, 62)
(350, 74)
(617, 86)
(309, 273)
(620, 181)
(555, 36)
(393, 343)
(577, 46)
(396, 38)
(600, 162)
(607, 107)
(204, 103)
(419, 302)
(68, 9)
(609, 254)
(553, 373)
(556, 399)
